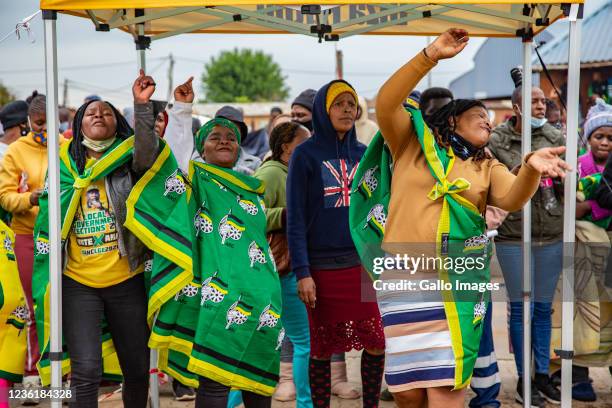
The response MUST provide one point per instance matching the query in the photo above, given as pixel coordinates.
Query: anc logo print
(230, 227)
(202, 222)
(256, 255)
(376, 220)
(476, 243)
(268, 317)
(190, 290)
(42, 245)
(175, 183)
(247, 205)
(213, 289)
(238, 313)
(368, 183)
(8, 247)
(480, 309)
(19, 317)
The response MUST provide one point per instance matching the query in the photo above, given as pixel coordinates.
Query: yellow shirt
(22, 170)
(93, 251)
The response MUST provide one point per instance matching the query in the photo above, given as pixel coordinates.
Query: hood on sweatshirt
(324, 135)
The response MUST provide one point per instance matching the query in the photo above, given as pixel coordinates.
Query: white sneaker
(31, 382)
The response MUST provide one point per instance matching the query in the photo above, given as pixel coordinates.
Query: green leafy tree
(5, 95)
(243, 76)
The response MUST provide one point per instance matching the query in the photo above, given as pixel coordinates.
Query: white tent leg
(526, 148)
(569, 219)
(55, 255)
(153, 377)
(142, 58)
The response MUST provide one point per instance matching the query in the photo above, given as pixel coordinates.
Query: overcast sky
(110, 57)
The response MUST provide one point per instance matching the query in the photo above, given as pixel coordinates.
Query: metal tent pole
(569, 211)
(142, 43)
(525, 149)
(53, 180)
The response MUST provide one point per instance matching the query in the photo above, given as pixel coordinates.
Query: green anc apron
(71, 186)
(225, 324)
(461, 234)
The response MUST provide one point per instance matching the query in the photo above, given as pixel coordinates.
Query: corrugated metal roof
(490, 77)
(596, 42)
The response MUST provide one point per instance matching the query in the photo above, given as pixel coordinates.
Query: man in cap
(14, 119)
(247, 163)
(301, 108)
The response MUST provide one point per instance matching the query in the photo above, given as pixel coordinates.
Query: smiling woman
(218, 142)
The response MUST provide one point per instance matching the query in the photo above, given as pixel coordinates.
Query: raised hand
(184, 92)
(548, 163)
(448, 44)
(143, 88)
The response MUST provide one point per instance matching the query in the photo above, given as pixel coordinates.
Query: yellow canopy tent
(167, 18)
(152, 20)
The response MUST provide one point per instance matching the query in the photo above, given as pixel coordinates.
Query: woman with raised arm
(441, 183)
(104, 295)
(222, 330)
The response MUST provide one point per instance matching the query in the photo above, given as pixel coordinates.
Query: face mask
(63, 127)
(40, 138)
(538, 123)
(98, 146)
(307, 125)
(535, 122)
(462, 147)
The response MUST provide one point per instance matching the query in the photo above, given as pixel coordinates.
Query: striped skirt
(418, 344)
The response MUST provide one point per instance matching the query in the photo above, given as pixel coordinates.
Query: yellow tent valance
(165, 18)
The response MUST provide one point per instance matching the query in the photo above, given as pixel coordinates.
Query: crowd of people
(245, 258)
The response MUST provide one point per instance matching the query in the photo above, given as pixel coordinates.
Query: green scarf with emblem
(461, 234)
(225, 324)
(177, 264)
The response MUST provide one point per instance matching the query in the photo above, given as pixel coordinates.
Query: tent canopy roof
(165, 18)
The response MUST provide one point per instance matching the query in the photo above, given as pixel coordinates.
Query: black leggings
(212, 394)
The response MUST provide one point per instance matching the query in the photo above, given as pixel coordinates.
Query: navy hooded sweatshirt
(321, 172)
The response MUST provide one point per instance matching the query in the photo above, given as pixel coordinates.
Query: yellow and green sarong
(461, 234)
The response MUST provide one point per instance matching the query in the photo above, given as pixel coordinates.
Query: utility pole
(170, 77)
(65, 96)
(339, 60)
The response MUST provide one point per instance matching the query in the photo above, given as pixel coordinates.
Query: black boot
(550, 393)
(536, 399)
